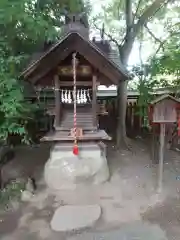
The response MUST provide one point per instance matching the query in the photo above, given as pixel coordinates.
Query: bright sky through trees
(147, 45)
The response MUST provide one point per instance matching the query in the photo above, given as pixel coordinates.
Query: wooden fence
(136, 118)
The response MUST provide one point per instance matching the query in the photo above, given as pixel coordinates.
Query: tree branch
(118, 9)
(108, 35)
(137, 9)
(153, 35)
(131, 35)
(128, 40)
(149, 12)
(161, 45)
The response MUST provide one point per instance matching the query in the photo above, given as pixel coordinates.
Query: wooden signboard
(82, 70)
(163, 111)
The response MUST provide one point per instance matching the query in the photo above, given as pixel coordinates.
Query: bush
(11, 192)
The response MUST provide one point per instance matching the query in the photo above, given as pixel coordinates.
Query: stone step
(69, 218)
(77, 118)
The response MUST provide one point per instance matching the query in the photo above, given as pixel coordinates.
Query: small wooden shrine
(163, 111)
(54, 69)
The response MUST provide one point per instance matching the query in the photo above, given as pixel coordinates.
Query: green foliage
(24, 28)
(146, 80)
(17, 32)
(57, 7)
(168, 62)
(146, 85)
(161, 71)
(12, 192)
(15, 111)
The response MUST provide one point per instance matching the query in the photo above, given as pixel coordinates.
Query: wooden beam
(78, 83)
(57, 101)
(94, 100)
(65, 136)
(67, 70)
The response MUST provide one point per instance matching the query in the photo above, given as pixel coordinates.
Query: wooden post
(153, 145)
(1, 182)
(132, 116)
(57, 101)
(94, 100)
(161, 156)
(140, 110)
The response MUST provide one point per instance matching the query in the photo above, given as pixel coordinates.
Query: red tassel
(75, 150)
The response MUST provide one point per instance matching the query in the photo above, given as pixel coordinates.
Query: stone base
(64, 170)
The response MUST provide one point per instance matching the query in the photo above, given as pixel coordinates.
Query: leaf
(25, 26)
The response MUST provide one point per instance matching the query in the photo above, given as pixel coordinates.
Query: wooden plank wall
(135, 119)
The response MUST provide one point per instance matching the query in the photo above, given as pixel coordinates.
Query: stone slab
(69, 218)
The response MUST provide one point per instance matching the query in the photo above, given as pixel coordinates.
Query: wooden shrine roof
(163, 97)
(74, 42)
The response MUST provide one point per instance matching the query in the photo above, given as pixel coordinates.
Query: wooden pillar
(132, 115)
(94, 100)
(57, 101)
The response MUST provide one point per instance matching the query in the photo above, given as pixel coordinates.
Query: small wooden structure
(53, 70)
(163, 111)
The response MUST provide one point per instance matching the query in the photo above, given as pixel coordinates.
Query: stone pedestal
(64, 170)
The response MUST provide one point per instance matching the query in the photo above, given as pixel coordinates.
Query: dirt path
(167, 216)
(128, 200)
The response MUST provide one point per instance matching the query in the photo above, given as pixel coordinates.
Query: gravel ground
(131, 209)
(167, 216)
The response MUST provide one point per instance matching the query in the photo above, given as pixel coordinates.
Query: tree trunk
(121, 138)
(132, 30)
(1, 181)
(121, 119)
